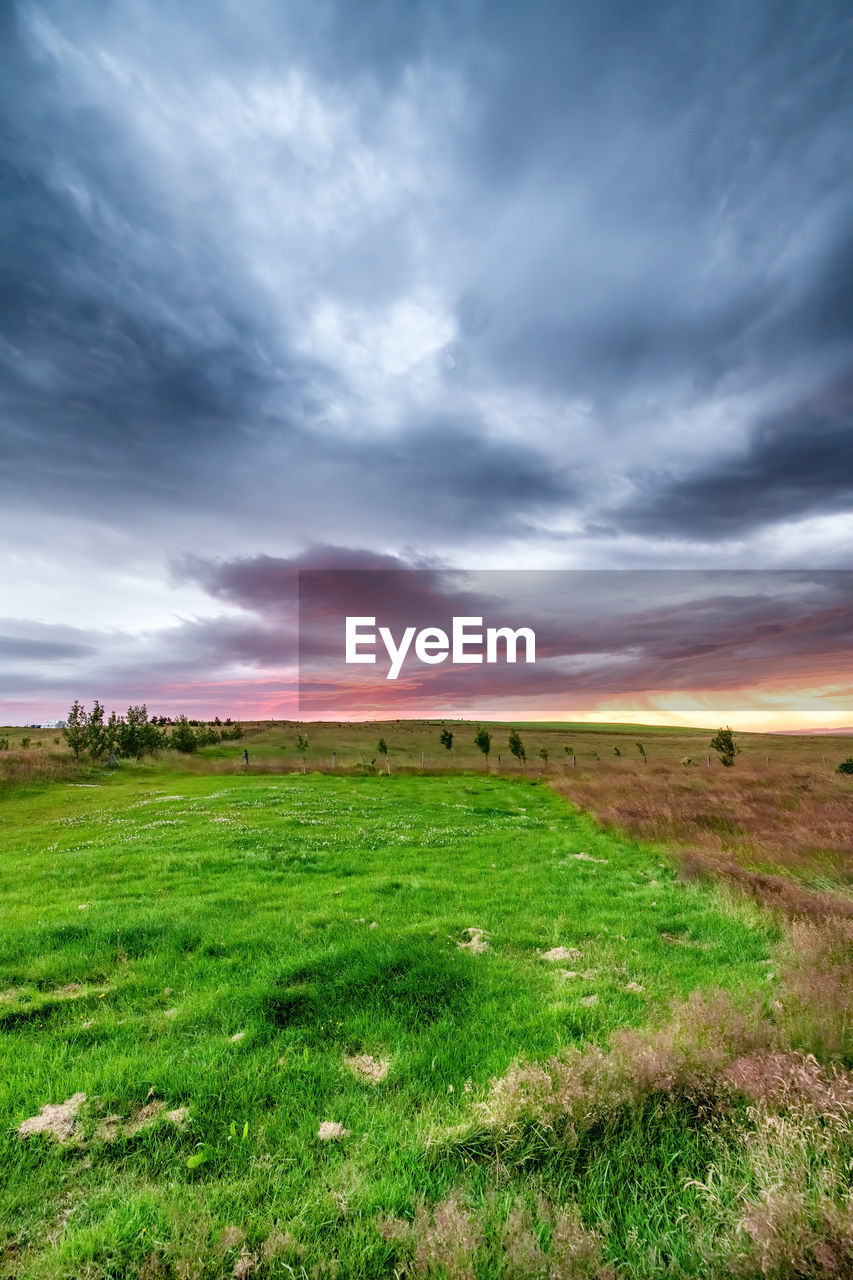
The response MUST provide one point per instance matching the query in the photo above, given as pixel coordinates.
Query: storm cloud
(478, 284)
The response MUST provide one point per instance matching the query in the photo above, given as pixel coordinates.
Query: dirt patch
(368, 1068)
(57, 1119)
(587, 857)
(562, 953)
(476, 941)
(114, 1127)
(143, 1117)
(109, 1129)
(330, 1130)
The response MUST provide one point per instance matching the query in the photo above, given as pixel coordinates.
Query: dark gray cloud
(555, 282)
(635, 207)
(797, 464)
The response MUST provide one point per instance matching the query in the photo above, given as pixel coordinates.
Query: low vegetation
(260, 1021)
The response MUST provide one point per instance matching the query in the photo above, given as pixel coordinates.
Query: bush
(725, 746)
(846, 766)
(182, 736)
(516, 746)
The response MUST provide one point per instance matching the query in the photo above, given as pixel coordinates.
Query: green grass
(318, 917)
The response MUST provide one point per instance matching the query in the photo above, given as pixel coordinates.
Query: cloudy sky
(473, 284)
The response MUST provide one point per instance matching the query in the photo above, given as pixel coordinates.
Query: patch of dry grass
(55, 1119)
(450, 1240)
(366, 1067)
(797, 815)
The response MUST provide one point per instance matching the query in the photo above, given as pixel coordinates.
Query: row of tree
(722, 743)
(134, 735)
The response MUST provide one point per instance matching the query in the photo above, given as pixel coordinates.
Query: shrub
(182, 737)
(724, 744)
(516, 746)
(483, 740)
(76, 728)
(846, 766)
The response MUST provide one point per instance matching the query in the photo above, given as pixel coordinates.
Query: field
(260, 1021)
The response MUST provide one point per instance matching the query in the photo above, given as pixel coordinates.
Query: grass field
(212, 967)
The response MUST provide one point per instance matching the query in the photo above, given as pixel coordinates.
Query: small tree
(96, 737)
(516, 747)
(617, 752)
(302, 748)
(76, 728)
(483, 740)
(543, 756)
(206, 735)
(111, 732)
(642, 751)
(382, 748)
(182, 737)
(724, 744)
(133, 732)
(846, 766)
(446, 741)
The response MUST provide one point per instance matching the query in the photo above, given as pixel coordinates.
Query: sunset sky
(432, 286)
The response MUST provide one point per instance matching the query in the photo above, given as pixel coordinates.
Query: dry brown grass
(55, 1119)
(365, 1067)
(449, 1241)
(38, 765)
(817, 990)
(786, 814)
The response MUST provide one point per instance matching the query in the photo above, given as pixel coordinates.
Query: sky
(435, 285)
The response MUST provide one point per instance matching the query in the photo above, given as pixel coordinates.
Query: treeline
(135, 735)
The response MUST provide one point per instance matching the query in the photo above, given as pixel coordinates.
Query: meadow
(410, 1017)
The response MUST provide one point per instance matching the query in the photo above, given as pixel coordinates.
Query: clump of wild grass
(776, 1201)
(451, 1241)
(774, 891)
(558, 1101)
(33, 765)
(441, 1241)
(817, 993)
